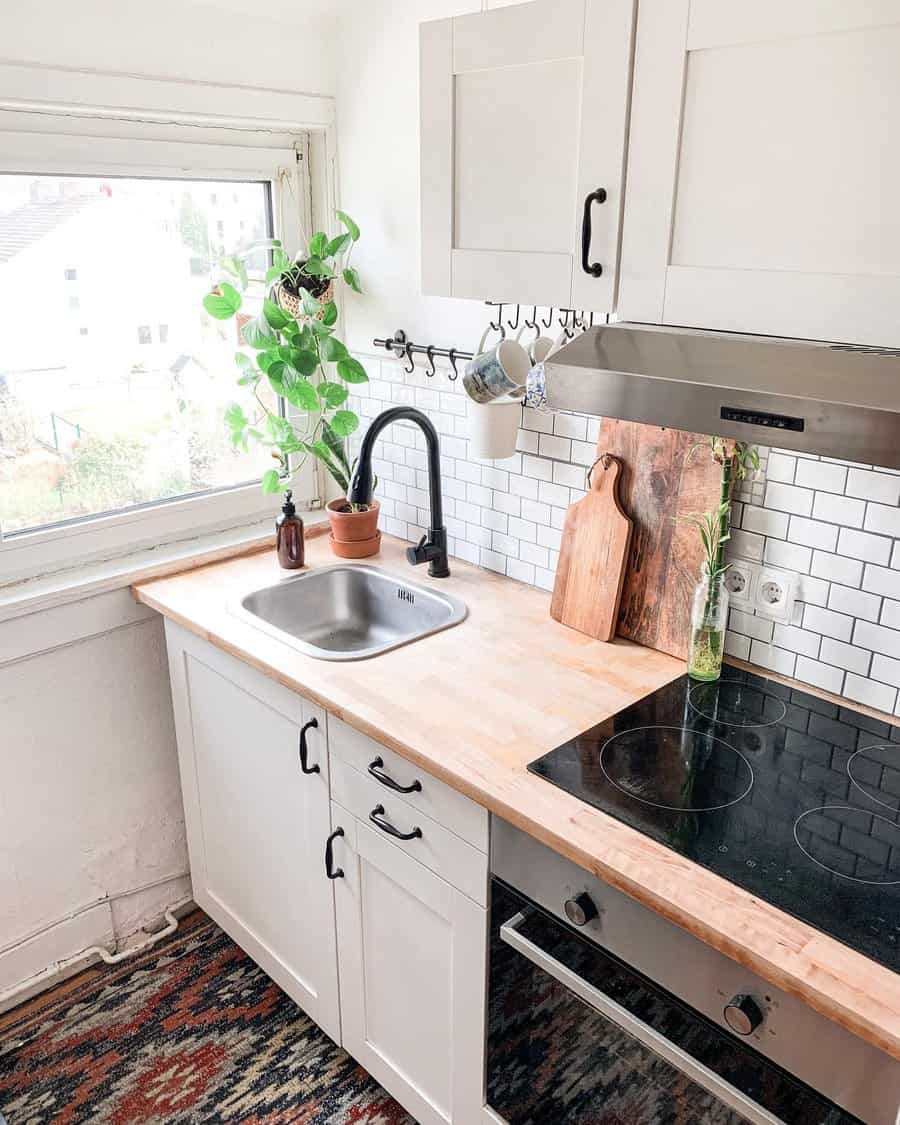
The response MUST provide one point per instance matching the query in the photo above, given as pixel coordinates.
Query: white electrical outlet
(740, 582)
(776, 592)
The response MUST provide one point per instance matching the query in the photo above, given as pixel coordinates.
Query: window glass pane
(113, 378)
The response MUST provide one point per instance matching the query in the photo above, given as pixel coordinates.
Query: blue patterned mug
(498, 373)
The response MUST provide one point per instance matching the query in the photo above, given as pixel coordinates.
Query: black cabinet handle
(330, 870)
(376, 769)
(376, 817)
(304, 750)
(594, 269)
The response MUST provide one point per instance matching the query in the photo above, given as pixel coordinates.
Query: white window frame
(59, 122)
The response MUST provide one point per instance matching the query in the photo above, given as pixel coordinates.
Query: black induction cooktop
(790, 797)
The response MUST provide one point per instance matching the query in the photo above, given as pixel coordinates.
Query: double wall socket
(766, 589)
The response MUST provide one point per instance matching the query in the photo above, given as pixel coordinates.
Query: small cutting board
(592, 557)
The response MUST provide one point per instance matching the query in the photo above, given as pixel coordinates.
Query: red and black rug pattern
(190, 1031)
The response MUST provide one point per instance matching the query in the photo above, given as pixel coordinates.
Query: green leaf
(329, 314)
(303, 362)
(315, 267)
(275, 316)
(235, 419)
(352, 279)
(249, 379)
(321, 450)
(308, 302)
(243, 361)
(336, 446)
(344, 422)
(236, 268)
(271, 481)
(332, 394)
(337, 246)
(333, 351)
(257, 334)
(317, 328)
(223, 304)
(352, 228)
(301, 394)
(317, 244)
(280, 429)
(352, 371)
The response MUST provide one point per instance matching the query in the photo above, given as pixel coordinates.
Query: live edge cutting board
(658, 482)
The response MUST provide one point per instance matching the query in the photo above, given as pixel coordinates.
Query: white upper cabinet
(764, 170)
(523, 119)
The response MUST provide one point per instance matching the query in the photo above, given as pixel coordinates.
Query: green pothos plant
(294, 349)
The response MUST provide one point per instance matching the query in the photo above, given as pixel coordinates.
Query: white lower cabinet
(256, 823)
(400, 927)
(412, 957)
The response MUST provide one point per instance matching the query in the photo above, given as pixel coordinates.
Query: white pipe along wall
(92, 844)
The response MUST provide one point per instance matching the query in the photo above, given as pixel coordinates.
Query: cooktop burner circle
(736, 703)
(676, 768)
(875, 771)
(853, 844)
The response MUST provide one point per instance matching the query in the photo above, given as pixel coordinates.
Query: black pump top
(288, 507)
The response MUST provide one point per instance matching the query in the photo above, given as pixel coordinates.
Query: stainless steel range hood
(831, 399)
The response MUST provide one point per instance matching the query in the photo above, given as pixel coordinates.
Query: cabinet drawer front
(438, 801)
(461, 865)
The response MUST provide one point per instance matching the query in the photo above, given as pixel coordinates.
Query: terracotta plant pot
(352, 527)
(359, 549)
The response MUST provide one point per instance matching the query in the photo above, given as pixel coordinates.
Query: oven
(603, 1013)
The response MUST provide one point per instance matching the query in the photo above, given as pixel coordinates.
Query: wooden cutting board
(592, 556)
(658, 483)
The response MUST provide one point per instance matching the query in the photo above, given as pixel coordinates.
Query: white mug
(493, 429)
(539, 348)
(498, 373)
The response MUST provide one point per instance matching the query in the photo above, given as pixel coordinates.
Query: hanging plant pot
(286, 293)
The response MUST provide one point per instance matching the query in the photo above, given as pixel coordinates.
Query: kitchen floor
(190, 1031)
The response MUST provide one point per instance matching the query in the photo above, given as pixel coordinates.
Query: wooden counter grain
(475, 704)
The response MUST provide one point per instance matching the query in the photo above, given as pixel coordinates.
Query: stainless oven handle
(630, 1024)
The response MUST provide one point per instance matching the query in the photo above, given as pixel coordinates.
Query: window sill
(32, 595)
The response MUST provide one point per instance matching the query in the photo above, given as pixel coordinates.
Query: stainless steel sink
(348, 612)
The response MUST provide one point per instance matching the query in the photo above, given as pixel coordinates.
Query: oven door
(577, 1036)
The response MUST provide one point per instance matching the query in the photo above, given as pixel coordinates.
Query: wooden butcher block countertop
(475, 704)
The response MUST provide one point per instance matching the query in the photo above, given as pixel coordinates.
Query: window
(112, 424)
(74, 302)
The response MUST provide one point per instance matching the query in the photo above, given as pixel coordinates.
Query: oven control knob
(580, 909)
(742, 1014)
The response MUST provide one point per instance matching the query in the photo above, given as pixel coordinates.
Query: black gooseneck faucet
(431, 548)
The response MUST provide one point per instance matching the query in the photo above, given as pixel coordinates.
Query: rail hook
(546, 323)
(513, 327)
(498, 327)
(578, 319)
(429, 351)
(533, 324)
(412, 363)
(451, 355)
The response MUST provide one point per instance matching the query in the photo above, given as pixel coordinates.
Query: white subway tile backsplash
(789, 498)
(839, 509)
(781, 467)
(812, 533)
(868, 485)
(843, 599)
(820, 475)
(862, 545)
(833, 524)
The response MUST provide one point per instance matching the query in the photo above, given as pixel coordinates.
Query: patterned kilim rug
(190, 1031)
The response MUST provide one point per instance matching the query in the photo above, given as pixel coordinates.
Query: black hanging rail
(401, 346)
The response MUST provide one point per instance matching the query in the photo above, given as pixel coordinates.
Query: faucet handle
(419, 553)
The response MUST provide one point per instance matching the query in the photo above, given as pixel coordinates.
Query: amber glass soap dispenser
(289, 536)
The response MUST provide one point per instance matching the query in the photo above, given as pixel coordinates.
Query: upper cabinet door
(523, 117)
(764, 170)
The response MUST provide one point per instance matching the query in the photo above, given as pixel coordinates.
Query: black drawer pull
(376, 769)
(304, 751)
(592, 268)
(330, 870)
(376, 817)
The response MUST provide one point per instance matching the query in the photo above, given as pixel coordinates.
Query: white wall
(90, 799)
(272, 45)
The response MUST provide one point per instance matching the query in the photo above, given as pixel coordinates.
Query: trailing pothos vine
(296, 353)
